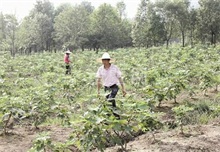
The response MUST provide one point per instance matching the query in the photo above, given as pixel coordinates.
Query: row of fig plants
(164, 74)
(34, 90)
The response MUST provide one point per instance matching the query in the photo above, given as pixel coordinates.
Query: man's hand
(122, 85)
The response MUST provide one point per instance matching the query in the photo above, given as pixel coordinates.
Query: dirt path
(205, 138)
(196, 139)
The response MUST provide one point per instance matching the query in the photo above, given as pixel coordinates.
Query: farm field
(172, 102)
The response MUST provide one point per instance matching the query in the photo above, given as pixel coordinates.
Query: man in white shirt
(111, 77)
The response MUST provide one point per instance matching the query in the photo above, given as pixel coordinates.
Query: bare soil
(196, 138)
(204, 138)
(19, 139)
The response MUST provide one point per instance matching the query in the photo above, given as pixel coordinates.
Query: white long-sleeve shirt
(109, 76)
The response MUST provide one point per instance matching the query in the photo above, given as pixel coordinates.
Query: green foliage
(180, 112)
(11, 110)
(72, 27)
(8, 33)
(203, 108)
(35, 90)
(42, 143)
(216, 109)
(209, 20)
(105, 26)
(83, 26)
(202, 113)
(149, 29)
(35, 31)
(100, 128)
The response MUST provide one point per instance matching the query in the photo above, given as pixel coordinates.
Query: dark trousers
(111, 96)
(68, 70)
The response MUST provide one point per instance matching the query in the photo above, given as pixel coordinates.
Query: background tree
(10, 33)
(105, 27)
(125, 26)
(165, 9)
(28, 38)
(2, 31)
(72, 26)
(141, 27)
(121, 7)
(209, 20)
(43, 12)
(156, 26)
(88, 6)
(148, 29)
(181, 12)
(62, 7)
(84, 36)
(124, 35)
(35, 31)
(82, 26)
(192, 25)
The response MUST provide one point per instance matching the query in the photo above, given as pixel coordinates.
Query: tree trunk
(13, 43)
(183, 39)
(167, 43)
(82, 47)
(213, 38)
(191, 38)
(29, 53)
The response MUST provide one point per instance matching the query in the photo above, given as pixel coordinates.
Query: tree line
(81, 26)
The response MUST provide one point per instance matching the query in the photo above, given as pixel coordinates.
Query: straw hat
(105, 56)
(68, 51)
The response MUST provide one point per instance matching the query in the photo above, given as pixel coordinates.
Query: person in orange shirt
(67, 61)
